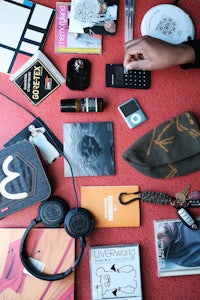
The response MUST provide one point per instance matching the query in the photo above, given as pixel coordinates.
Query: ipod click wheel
(169, 23)
(132, 113)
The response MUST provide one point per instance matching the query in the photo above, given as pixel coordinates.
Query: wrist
(186, 54)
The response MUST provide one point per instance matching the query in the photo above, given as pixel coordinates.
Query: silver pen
(129, 15)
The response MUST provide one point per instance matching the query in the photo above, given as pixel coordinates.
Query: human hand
(147, 53)
(109, 26)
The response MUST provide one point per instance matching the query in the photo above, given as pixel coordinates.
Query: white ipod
(169, 23)
(132, 113)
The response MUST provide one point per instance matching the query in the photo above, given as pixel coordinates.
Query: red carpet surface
(172, 92)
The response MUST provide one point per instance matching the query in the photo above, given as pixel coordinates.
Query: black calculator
(117, 76)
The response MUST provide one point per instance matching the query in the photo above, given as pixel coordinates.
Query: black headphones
(78, 223)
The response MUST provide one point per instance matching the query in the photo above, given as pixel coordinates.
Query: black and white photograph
(94, 16)
(89, 149)
(177, 248)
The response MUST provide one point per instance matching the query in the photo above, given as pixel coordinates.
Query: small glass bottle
(82, 105)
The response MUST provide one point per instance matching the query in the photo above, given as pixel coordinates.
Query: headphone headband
(54, 206)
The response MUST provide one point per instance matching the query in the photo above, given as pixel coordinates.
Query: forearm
(147, 53)
(193, 59)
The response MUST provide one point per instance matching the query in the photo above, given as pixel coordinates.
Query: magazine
(93, 17)
(89, 149)
(177, 248)
(52, 249)
(69, 42)
(115, 272)
(103, 203)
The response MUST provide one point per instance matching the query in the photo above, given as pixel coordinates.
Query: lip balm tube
(82, 105)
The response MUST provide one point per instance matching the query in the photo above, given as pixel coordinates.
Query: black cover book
(38, 133)
(89, 148)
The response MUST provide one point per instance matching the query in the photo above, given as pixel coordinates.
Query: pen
(129, 12)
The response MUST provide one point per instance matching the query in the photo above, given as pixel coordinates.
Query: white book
(115, 272)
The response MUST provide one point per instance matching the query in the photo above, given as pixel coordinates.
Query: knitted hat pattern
(170, 150)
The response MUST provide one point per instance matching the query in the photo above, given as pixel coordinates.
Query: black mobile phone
(117, 76)
(78, 74)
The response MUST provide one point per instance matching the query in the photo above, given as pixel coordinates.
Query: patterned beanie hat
(169, 150)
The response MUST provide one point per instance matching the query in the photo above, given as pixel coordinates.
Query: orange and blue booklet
(103, 203)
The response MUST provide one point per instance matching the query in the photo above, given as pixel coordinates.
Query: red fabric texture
(172, 92)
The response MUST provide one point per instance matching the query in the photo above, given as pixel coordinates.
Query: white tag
(37, 264)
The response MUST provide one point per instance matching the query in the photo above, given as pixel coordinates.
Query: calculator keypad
(136, 79)
(117, 76)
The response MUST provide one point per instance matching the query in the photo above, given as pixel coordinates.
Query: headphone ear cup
(79, 223)
(52, 212)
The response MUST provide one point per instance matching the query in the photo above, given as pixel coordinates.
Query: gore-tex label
(37, 82)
